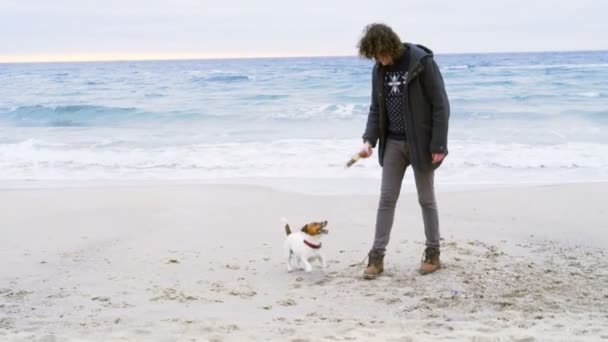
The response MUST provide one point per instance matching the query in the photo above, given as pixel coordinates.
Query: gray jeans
(396, 161)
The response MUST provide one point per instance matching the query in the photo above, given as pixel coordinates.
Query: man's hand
(366, 150)
(437, 157)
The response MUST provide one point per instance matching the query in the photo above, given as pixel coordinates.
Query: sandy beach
(196, 262)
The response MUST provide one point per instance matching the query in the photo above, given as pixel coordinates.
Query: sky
(45, 30)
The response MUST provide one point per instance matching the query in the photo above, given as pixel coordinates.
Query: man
(408, 119)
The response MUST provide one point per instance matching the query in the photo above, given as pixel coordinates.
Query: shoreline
(304, 186)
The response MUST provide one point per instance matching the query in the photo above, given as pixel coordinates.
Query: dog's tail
(287, 229)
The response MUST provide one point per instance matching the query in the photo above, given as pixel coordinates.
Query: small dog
(305, 246)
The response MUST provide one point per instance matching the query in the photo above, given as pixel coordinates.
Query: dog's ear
(305, 229)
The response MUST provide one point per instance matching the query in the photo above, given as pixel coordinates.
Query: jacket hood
(417, 53)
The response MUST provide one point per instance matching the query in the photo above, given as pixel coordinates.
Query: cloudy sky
(151, 29)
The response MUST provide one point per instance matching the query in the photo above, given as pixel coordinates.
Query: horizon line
(191, 57)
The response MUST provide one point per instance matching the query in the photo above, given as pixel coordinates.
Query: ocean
(520, 118)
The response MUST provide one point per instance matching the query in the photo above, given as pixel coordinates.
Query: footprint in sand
(389, 301)
(438, 325)
(243, 293)
(173, 294)
(6, 323)
(217, 287)
(287, 302)
(107, 302)
(8, 293)
(101, 299)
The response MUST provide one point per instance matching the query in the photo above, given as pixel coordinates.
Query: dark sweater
(394, 93)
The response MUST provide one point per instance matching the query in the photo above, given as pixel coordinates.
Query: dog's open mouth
(324, 231)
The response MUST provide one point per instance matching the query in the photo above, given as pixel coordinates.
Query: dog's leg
(288, 254)
(322, 259)
(307, 265)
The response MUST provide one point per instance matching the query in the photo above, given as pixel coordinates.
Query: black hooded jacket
(426, 115)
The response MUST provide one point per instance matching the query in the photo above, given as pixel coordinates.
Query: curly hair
(379, 39)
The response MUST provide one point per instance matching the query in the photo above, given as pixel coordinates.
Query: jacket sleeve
(435, 91)
(371, 129)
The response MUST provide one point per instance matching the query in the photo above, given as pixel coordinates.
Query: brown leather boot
(430, 261)
(375, 265)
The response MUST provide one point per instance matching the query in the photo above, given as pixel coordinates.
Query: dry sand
(204, 263)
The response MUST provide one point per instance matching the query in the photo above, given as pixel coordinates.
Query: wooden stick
(353, 160)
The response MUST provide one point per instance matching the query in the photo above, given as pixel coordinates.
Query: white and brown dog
(305, 246)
